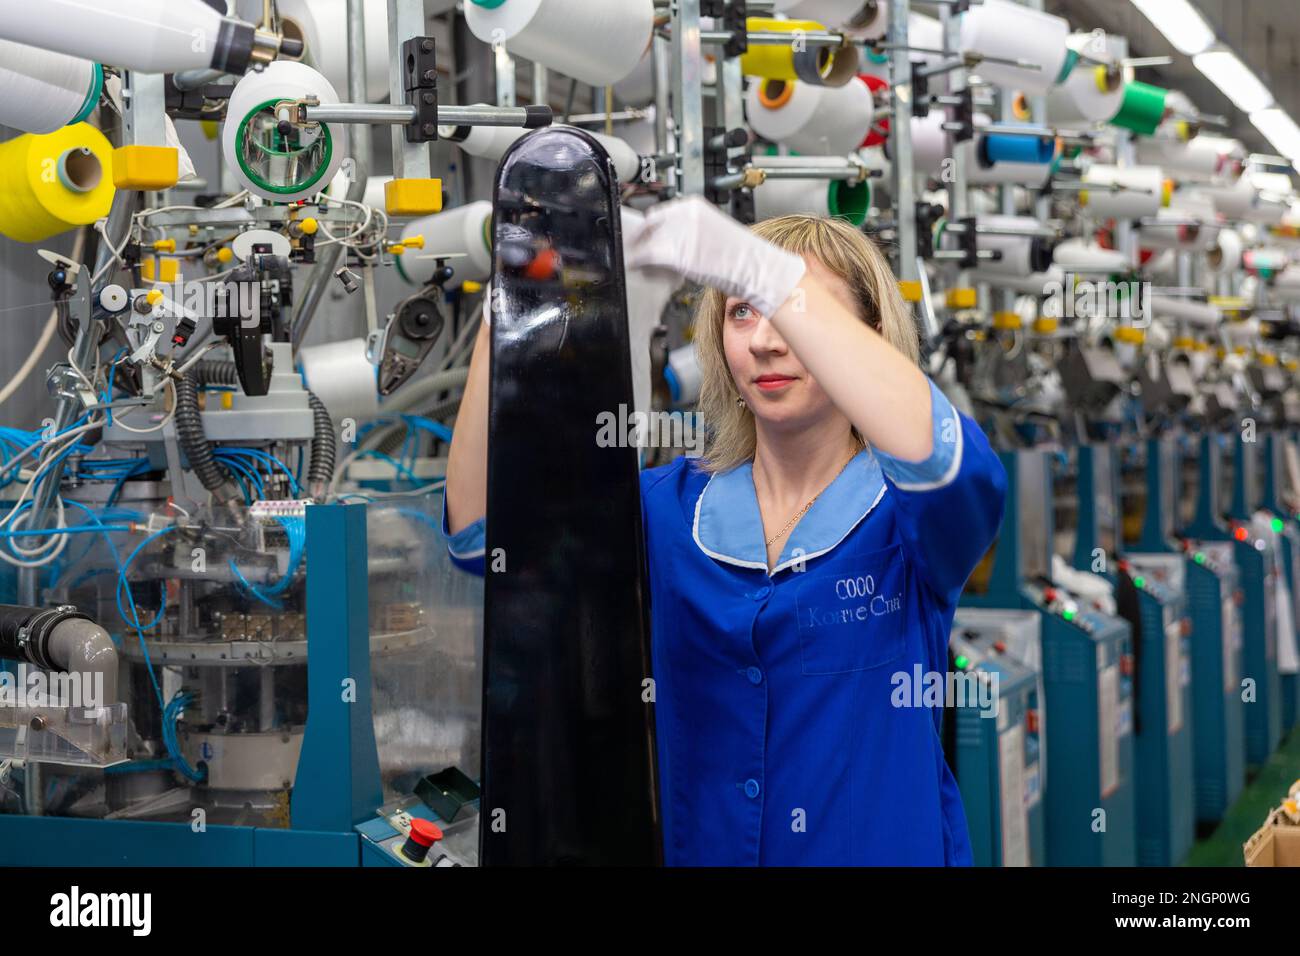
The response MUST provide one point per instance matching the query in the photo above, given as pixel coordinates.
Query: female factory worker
(804, 572)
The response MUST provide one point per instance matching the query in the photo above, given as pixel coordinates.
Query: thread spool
(1232, 199)
(1091, 93)
(1172, 309)
(929, 143)
(255, 150)
(1020, 254)
(683, 375)
(811, 64)
(1286, 284)
(1033, 175)
(1142, 108)
(1224, 256)
(491, 143)
(52, 182)
(342, 377)
(1272, 197)
(1267, 259)
(870, 22)
(1143, 191)
(544, 31)
(998, 28)
(813, 197)
(637, 89)
(322, 25)
(1080, 255)
(41, 91)
(640, 134)
(831, 12)
(811, 119)
(879, 131)
(1199, 159)
(374, 195)
(927, 34)
(1008, 148)
(1178, 235)
(464, 232)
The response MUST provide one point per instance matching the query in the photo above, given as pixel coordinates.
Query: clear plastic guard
(79, 736)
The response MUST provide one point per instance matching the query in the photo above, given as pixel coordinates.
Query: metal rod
(904, 196)
(401, 114)
(958, 227)
(360, 140)
(766, 38)
(688, 95)
(661, 59)
(583, 119)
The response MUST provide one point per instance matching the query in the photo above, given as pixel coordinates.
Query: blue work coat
(789, 731)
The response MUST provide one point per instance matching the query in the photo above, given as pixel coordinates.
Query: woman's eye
(741, 311)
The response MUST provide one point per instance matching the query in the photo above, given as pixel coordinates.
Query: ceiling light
(1234, 79)
(1180, 23)
(1280, 130)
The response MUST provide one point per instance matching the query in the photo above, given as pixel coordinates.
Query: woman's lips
(770, 383)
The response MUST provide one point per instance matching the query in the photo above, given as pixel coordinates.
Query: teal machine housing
(1213, 601)
(1150, 581)
(998, 756)
(1255, 564)
(1288, 540)
(1085, 661)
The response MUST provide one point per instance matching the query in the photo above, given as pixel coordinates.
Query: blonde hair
(846, 252)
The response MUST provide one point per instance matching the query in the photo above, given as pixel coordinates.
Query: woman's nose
(766, 338)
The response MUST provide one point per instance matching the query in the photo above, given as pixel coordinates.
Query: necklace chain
(804, 510)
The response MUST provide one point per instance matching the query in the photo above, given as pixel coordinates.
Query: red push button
(424, 832)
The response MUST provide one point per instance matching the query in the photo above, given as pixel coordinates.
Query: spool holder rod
(528, 117)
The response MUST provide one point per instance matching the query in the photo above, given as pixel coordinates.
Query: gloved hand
(695, 240)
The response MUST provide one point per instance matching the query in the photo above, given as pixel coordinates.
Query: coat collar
(729, 528)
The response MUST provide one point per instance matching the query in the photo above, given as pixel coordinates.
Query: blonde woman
(804, 571)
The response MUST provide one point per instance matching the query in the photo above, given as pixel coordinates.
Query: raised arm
(468, 459)
(883, 393)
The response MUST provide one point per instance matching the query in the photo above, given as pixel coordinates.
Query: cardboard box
(1276, 843)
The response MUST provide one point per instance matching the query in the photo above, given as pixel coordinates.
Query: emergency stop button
(423, 835)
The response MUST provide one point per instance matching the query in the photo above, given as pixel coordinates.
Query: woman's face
(772, 381)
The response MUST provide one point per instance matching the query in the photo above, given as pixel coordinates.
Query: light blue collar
(729, 528)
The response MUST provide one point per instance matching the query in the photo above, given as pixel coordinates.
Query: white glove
(648, 292)
(695, 240)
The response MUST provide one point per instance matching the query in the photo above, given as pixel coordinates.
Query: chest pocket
(852, 613)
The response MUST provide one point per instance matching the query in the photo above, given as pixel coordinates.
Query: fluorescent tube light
(1234, 79)
(1180, 23)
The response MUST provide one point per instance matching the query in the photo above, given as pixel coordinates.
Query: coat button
(751, 788)
(755, 675)
(762, 592)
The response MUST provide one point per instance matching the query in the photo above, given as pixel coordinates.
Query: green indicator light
(1277, 525)
(962, 662)
(1068, 615)
(1199, 557)
(1139, 582)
